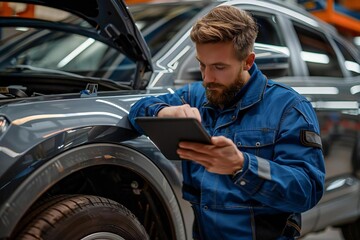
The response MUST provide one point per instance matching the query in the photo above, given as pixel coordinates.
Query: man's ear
(249, 61)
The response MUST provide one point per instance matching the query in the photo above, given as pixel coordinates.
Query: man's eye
(219, 67)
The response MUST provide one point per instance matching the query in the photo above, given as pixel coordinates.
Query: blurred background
(344, 15)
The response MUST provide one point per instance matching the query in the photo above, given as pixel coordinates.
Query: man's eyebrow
(199, 60)
(215, 63)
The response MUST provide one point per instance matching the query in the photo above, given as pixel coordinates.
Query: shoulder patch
(310, 139)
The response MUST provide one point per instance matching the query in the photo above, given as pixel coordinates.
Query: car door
(325, 71)
(330, 74)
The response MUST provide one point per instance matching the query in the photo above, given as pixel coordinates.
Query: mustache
(213, 85)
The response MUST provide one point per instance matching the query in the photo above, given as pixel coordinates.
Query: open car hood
(112, 21)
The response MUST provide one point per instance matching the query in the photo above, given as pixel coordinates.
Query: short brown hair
(227, 23)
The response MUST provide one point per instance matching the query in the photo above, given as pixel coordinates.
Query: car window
(268, 29)
(351, 65)
(317, 52)
(269, 36)
(160, 23)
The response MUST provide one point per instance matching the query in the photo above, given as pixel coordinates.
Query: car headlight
(3, 124)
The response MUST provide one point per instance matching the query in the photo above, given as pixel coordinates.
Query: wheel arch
(84, 160)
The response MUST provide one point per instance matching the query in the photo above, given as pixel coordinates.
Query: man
(265, 164)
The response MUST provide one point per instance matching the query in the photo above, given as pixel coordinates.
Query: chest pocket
(258, 142)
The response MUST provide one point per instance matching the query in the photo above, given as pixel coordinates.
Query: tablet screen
(166, 133)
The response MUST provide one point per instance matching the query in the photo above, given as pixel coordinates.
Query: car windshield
(71, 52)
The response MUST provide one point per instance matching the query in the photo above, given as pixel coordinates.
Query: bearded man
(265, 164)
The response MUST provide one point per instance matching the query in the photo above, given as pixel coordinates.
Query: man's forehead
(215, 46)
(222, 52)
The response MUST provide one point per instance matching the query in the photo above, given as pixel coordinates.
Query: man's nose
(207, 75)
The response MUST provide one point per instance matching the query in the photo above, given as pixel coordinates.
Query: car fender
(52, 171)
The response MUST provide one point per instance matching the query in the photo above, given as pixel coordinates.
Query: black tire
(83, 217)
(351, 231)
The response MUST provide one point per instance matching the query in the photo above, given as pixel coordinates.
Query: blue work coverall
(283, 173)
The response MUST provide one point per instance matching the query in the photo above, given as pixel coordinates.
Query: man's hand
(180, 111)
(222, 157)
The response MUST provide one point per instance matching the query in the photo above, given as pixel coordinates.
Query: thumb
(221, 141)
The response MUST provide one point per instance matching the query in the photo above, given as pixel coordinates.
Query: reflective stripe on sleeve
(263, 168)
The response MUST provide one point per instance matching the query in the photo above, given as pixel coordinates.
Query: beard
(223, 95)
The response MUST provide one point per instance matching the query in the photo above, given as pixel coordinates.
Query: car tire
(351, 231)
(82, 217)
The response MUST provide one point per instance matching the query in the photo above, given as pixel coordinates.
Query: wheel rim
(103, 236)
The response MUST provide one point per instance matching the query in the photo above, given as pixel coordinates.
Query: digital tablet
(166, 133)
